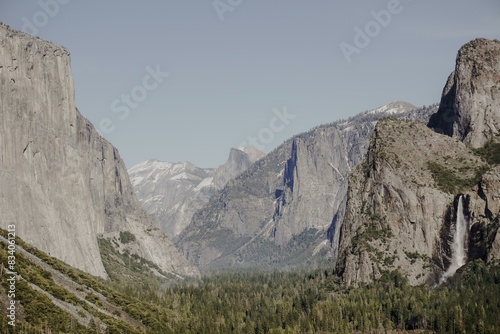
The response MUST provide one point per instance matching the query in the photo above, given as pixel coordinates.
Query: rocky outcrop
(471, 98)
(239, 160)
(61, 183)
(396, 215)
(484, 207)
(403, 199)
(287, 208)
(173, 192)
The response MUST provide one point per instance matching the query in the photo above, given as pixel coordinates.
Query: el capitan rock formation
(61, 183)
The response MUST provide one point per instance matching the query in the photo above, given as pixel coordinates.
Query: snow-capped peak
(394, 108)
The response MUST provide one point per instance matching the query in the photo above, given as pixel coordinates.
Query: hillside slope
(51, 294)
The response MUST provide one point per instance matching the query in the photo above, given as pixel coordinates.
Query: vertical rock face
(471, 98)
(314, 186)
(61, 183)
(284, 210)
(402, 200)
(173, 192)
(396, 211)
(484, 211)
(315, 180)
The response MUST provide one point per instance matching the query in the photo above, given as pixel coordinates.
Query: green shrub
(126, 237)
(490, 153)
(93, 298)
(449, 182)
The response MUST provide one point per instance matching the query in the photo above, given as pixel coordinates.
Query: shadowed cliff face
(402, 200)
(61, 183)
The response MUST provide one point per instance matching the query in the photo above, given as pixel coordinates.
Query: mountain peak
(173, 192)
(395, 107)
(470, 99)
(253, 153)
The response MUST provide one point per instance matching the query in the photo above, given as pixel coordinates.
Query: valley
(385, 222)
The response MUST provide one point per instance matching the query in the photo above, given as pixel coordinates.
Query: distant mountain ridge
(172, 192)
(283, 210)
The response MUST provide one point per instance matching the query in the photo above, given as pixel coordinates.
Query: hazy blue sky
(226, 76)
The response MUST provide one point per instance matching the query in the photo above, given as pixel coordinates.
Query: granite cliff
(404, 202)
(61, 183)
(470, 99)
(284, 210)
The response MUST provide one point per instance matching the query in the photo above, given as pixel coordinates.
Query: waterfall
(459, 253)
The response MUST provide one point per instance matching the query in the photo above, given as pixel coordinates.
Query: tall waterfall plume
(458, 248)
